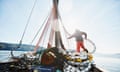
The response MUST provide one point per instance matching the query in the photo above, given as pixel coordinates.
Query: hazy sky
(99, 18)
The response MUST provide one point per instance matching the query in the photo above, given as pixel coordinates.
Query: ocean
(111, 63)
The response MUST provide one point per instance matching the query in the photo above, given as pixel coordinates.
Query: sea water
(110, 63)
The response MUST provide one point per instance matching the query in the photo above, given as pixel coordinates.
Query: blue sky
(99, 18)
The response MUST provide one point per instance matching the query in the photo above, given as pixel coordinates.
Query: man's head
(77, 30)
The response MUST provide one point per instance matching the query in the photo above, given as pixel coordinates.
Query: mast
(58, 40)
(55, 8)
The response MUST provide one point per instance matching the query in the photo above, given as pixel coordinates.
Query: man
(79, 39)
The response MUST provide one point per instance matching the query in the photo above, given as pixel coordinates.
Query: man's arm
(85, 34)
(70, 36)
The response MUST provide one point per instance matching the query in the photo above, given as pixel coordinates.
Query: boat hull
(8, 67)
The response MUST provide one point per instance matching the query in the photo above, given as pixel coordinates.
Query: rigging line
(90, 41)
(46, 29)
(65, 31)
(45, 34)
(37, 45)
(28, 20)
(92, 44)
(63, 25)
(51, 37)
(39, 29)
(20, 42)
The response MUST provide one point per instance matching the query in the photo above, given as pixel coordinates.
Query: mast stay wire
(20, 42)
(39, 29)
(66, 32)
(63, 25)
(46, 28)
(28, 21)
(40, 38)
(45, 34)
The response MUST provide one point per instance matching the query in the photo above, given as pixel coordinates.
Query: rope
(39, 29)
(37, 45)
(51, 38)
(28, 20)
(65, 31)
(94, 46)
(20, 42)
(63, 25)
(45, 33)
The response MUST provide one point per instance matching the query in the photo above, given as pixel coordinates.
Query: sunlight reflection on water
(109, 63)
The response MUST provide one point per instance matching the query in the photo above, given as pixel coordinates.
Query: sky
(100, 19)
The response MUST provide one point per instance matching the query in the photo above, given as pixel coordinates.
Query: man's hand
(86, 50)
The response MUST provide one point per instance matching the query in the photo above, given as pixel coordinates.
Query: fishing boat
(51, 53)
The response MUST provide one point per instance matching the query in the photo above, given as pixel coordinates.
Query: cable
(20, 42)
(63, 25)
(37, 45)
(28, 19)
(39, 29)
